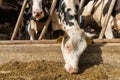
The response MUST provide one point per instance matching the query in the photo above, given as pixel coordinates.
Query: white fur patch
(37, 4)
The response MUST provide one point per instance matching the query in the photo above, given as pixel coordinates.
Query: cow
(73, 43)
(40, 13)
(98, 9)
(74, 40)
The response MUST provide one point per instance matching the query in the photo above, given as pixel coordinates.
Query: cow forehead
(37, 4)
(38, 1)
(68, 13)
(68, 6)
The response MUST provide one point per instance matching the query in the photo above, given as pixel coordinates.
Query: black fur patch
(105, 9)
(68, 17)
(61, 6)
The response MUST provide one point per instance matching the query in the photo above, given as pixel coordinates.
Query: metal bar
(107, 19)
(48, 21)
(19, 20)
(13, 42)
(80, 7)
(106, 40)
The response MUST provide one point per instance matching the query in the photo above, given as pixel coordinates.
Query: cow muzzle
(71, 70)
(38, 14)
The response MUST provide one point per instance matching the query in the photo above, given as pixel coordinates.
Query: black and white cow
(40, 13)
(98, 10)
(74, 41)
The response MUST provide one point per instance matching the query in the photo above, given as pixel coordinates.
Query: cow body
(99, 10)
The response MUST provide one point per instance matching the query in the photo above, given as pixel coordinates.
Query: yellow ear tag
(27, 6)
(89, 41)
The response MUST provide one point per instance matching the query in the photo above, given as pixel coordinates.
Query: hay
(49, 70)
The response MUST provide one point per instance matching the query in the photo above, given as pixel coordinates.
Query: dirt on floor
(49, 70)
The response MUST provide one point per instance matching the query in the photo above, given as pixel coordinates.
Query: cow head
(72, 47)
(37, 9)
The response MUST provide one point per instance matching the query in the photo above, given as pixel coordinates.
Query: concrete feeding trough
(26, 51)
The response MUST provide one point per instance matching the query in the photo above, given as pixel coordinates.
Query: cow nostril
(35, 12)
(72, 70)
(38, 14)
(41, 13)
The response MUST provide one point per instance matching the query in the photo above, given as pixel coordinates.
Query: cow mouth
(38, 17)
(71, 70)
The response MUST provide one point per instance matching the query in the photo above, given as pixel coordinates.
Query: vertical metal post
(19, 20)
(107, 19)
(49, 19)
(80, 7)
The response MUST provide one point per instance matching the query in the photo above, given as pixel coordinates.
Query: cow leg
(31, 32)
(32, 29)
(108, 32)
